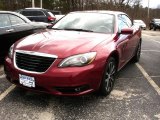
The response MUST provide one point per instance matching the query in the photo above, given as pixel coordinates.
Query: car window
(4, 20)
(32, 13)
(122, 23)
(16, 20)
(51, 14)
(101, 23)
(127, 20)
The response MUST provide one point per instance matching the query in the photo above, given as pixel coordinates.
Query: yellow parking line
(149, 79)
(5, 93)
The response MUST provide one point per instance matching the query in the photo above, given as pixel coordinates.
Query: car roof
(15, 13)
(156, 19)
(35, 8)
(138, 20)
(101, 11)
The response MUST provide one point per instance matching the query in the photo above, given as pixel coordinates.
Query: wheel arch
(115, 55)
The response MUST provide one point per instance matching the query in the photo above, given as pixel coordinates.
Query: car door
(125, 40)
(21, 27)
(6, 34)
(132, 38)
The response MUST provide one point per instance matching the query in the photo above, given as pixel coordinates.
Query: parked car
(38, 14)
(79, 55)
(140, 23)
(154, 24)
(14, 26)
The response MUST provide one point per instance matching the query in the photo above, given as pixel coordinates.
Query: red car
(80, 54)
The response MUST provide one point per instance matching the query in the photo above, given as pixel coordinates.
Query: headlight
(78, 60)
(10, 52)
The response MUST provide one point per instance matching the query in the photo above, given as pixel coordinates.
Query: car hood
(62, 43)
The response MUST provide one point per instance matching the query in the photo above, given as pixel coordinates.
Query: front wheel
(151, 26)
(108, 80)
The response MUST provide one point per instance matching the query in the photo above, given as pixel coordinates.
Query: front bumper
(72, 81)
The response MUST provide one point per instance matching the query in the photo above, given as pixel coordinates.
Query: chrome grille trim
(36, 54)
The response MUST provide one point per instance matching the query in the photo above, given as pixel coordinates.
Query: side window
(127, 20)
(121, 23)
(4, 20)
(51, 14)
(25, 13)
(16, 20)
(39, 13)
(32, 13)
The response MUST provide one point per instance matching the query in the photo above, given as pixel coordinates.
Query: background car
(14, 26)
(79, 55)
(38, 14)
(140, 23)
(154, 24)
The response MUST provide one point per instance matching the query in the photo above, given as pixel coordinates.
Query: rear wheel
(154, 28)
(136, 57)
(151, 26)
(108, 80)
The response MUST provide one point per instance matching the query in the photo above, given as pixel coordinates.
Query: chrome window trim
(32, 53)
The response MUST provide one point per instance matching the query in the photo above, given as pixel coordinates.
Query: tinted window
(32, 13)
(16, 20)
(96, 22)
(4, 20)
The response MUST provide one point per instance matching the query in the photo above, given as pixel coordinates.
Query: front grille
(33, 63)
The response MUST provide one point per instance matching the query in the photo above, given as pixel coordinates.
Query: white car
(139, 23)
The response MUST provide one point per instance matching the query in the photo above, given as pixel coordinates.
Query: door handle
(10, 30)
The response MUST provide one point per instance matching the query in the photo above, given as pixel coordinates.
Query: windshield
(91, 22)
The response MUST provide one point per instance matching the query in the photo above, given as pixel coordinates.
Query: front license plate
(26, 80)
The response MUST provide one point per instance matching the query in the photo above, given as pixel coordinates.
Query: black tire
(150, 27)
(108, 80)
(154, 28)
(136, 57)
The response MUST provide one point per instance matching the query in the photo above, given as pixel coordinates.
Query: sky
(152, 3)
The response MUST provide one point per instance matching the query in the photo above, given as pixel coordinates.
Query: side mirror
(126, 31)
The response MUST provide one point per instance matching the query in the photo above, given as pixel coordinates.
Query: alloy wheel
(109, 76)
(108, 80)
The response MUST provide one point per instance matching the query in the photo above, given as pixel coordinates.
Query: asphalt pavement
(135, 95)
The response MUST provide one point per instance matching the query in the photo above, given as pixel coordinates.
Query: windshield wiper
(75, 29)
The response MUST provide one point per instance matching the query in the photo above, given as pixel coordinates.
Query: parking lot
(136, 95)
